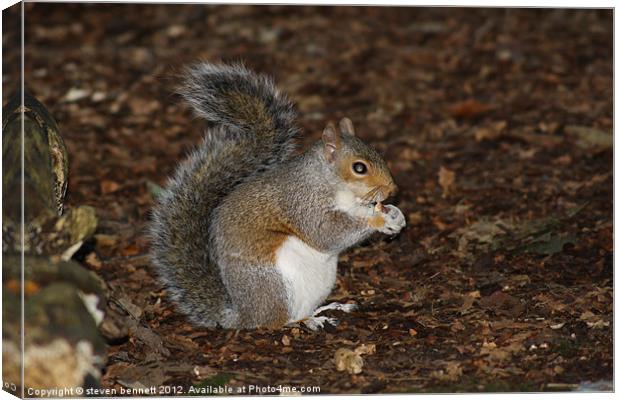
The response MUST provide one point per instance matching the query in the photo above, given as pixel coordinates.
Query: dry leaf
(469, 108)
(590, 137)
(108, 186)
(593, 320)
(446, 181)
(104, 240)
(141, 106)
(410, 154)
(30, 287)
(347, 360)
(598, 324)
(587, 315)
(93, 260)
(451, 372)
(366, 349)
(502, 304)
(468, 302)
(75, 94)
(203, 371)
(491, 131)
(415, 218)
(131, 250)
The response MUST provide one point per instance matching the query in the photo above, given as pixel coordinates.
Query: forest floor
(495, 123)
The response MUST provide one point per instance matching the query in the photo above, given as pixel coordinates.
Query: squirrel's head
(361, 168)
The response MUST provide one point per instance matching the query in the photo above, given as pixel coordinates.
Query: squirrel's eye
(360, 168)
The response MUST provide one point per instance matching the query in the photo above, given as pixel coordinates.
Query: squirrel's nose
(390, 190)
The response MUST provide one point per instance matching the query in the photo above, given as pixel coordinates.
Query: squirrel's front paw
(394, 220)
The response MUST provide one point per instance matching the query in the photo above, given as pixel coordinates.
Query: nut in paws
(394, 220)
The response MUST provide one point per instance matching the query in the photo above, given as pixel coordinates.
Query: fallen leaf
(204, 371)
(469, 108)
(415, 218)
(457, 326)
(366, 349)
(93, 260)
(286, 341)
(142, 376)
(549, 243)
(599, 324)
(454, 370)
(75, 94)
(152, 340)
(563, 160)
(446, 181)
(536, 139)
(107, 186)
(98, 96)
(468, 302)
(347, 360)
(514, 281)
(14, 286)
(501, 353)
(31, 287)
(175, 30)
(125, 302)
(410, 154)
(131, 250)
(593, 320)
(439, 224)
(451, 372)
(179, 341)
(480, 237)
(557, 326)
(502, 304)
(490, 131)
(140, 106)
(104, 240)
(588, 137)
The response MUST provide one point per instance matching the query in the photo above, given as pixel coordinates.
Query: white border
(431, 3)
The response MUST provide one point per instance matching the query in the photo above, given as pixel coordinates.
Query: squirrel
(247, 234)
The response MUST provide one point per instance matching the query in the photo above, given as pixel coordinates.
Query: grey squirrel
(246, 234)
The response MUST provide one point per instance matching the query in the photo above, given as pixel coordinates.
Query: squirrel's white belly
(308, 274)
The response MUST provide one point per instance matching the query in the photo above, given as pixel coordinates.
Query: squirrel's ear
(346, 126)
(331, 142)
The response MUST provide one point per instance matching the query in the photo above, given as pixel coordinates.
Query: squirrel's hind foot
(344, 307)
(316, 323)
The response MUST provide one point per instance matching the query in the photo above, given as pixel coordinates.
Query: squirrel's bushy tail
(252, 127)
(236, 98)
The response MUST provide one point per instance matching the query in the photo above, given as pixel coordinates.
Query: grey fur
(242, 166)
(305, 190)
(230, 152)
